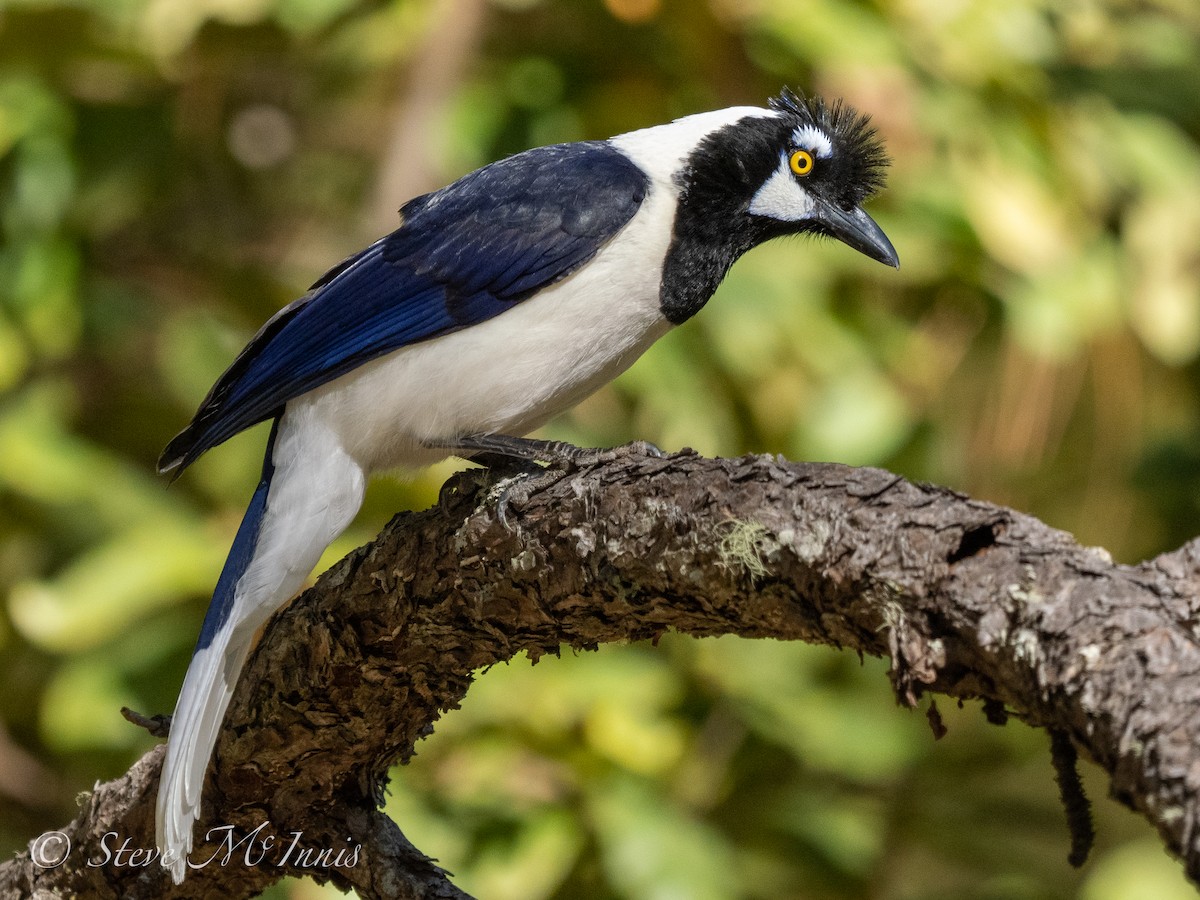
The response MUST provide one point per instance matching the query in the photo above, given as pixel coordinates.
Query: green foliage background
(173, 171)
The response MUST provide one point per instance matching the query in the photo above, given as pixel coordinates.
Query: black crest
(860, 158)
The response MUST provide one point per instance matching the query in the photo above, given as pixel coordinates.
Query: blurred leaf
(858, 419)
(80, 708)
(1139, 870)
(531, 865)
(652, 851)
(827, 726)
(103, 593)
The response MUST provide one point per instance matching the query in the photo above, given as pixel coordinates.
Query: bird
(500, 301)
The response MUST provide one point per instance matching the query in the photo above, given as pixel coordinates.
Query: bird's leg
(511, 460)
(509, 471)
(504, 446)
(501, 465)
(560, 454)
(517, 458)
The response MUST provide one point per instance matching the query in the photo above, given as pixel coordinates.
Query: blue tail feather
(240, 553)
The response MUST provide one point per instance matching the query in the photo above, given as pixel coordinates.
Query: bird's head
(804, 166)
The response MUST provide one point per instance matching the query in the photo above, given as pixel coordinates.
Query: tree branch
(968, 599)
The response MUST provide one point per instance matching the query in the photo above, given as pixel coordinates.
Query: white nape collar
(662, 150)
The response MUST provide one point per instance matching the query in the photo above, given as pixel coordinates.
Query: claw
(502, 502)
(502, 492)
(642, 448)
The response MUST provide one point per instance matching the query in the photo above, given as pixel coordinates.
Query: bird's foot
(503, 492)
(506, 450)
(633, 448)
(503, 451)
(515, 459)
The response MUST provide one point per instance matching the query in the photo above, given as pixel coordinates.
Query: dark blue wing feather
(464, 254)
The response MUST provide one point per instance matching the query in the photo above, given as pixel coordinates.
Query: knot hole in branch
(974, 540)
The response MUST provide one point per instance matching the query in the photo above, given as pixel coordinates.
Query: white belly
(511, 373)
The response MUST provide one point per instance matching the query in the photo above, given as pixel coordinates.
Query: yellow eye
(801, 162)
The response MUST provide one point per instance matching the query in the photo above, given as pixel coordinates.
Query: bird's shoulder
(548, 197)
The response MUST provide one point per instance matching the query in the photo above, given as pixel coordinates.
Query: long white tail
(199, 712)
(310, 491)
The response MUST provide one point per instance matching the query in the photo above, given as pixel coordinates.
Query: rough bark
(967, 599)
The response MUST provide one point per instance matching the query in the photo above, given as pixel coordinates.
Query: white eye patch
(781, 197)
(812, 138)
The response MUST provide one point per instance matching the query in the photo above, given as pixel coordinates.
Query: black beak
(858, 230)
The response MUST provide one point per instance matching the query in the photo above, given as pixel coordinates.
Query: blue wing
(463, 254)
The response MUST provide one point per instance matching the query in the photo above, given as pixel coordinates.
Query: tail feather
(207, 688)
(291, 519)
(205, 696)
(175, 455)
